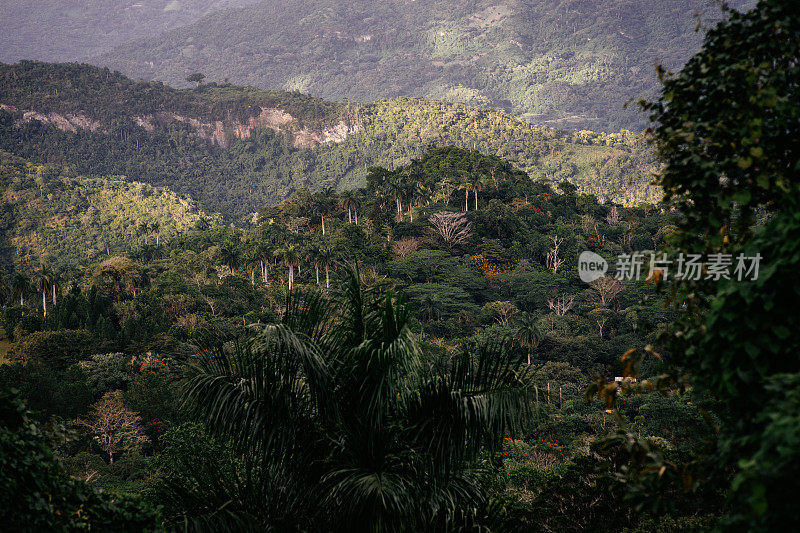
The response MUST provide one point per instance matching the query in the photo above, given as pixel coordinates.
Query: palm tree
(467, 185)
(154, 227)
(265, 254)
(43, 283)
(481, 184)
(325, 257)
(229, 256)
(343, 423)
(20, 287)
(431, 307)
(349, 200)
(56, 279)
(322, 204)
(396, 190)
(528, 333)
(143, 229)
(252, 262)
(289, 254)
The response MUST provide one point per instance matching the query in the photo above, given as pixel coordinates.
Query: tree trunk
(476, 199)
(466, 200)
(316, 271)
(291, 275)
(327, 278)
(323, 224)
(54, 294)
(44, 301)
(349, 216)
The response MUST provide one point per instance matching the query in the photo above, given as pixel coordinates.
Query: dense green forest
(50, 217)
(491, 263)
(565, 63)
(451, 343)
(69, 30)
(236, 156)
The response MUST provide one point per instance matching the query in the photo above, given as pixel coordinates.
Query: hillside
(68, 30)
(566, 63)
(236, 149)
(60, 220)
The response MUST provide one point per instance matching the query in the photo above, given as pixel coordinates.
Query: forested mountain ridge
(567, 63)
(67, 30)
(49, 217)
(235, 149)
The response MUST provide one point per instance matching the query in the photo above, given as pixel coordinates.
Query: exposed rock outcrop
(216, 132)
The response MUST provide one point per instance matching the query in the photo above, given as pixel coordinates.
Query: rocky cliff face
(216, 132)
(65, 122)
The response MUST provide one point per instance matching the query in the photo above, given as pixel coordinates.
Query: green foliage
(744, 133)
(148, 311)
(36, 494)
(106, 372)
(345, 413)
(62, 221)
(144, 131)
(726, 131)
(59, 348)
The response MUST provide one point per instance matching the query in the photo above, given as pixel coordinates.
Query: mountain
(68, 30)
(51, 216)
(236, 149)
(567, 63)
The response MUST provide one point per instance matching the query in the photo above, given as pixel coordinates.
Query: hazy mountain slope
(236, 149)
(571, 63)
(50, 218)
(67, 30)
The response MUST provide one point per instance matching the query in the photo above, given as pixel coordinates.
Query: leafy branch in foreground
(727, 132)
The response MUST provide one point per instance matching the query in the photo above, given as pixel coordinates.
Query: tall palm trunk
(316, 271)
(44, 301)
(466, 200)
(327, 278)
